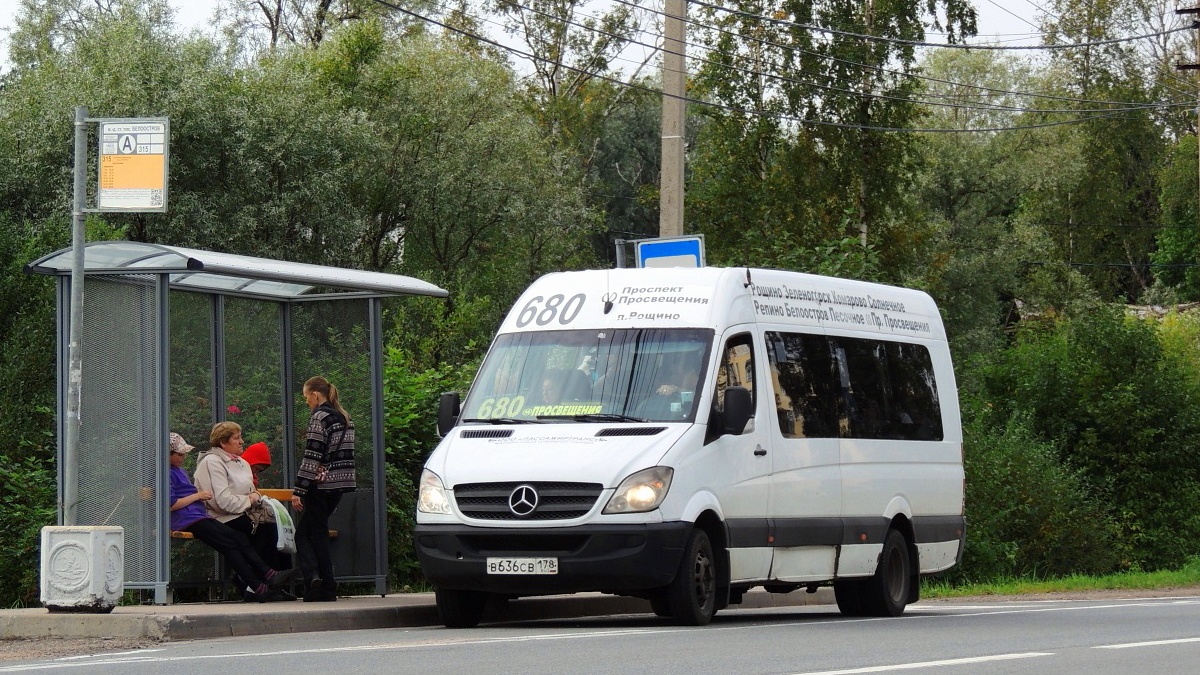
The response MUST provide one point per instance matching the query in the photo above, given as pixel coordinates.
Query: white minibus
(685, 435)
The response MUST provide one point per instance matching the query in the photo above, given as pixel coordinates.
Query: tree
(593, 102)
(1178, 253)
(452, 180)
(45, 27)
(799, 95)
(307, 23)
(1103, 220)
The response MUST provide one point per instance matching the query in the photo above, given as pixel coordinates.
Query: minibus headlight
(432, 498)
(643, 491)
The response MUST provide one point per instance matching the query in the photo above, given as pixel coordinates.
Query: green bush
(410, 433)
(28, 490)
(1120, 407)
(1028, 514)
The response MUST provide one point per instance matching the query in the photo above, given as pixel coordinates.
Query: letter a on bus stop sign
(671, 252)
(133, 165)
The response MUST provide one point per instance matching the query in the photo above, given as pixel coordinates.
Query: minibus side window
(805, 383)
(915, 390)
(890, 391)
(868, 398)
(829, 387)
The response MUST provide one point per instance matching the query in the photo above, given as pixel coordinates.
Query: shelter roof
(228, 273)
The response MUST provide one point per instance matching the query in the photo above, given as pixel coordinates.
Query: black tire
(849, 596)
(692, 595)
(460, 609)
(887, 593)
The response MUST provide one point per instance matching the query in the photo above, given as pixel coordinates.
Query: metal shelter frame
(125, 409)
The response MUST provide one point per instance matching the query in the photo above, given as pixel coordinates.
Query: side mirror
(739, 408)
(449, 406)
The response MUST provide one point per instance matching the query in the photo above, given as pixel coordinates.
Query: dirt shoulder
(22, 649)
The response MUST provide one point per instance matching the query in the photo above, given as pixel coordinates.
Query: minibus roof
(714, 297)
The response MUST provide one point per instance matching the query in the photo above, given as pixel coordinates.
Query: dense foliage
(1056, 191)
(1124, 416)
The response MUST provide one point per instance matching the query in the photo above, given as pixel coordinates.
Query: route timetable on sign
(133, 166)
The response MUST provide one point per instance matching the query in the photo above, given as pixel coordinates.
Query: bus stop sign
(672, 252)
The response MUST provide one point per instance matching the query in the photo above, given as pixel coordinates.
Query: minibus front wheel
(693, 594)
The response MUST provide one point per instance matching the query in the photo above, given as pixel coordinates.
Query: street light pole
(70, 454)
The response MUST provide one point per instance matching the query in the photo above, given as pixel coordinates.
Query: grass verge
(1187, 576)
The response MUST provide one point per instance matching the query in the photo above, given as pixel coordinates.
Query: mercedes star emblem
(523, 500)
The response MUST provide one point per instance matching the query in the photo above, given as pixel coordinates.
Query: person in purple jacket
(189, 515)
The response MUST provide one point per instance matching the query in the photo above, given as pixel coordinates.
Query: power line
(917, 43)
(505, 27)
(984, 107)
(916, 76)
(980, 106)
(736, 109)
(1014, 14)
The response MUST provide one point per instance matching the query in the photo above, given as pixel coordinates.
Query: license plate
(522, 565)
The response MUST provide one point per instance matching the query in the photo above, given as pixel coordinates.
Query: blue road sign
(674, 252)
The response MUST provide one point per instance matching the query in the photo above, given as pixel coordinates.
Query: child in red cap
(258, 456)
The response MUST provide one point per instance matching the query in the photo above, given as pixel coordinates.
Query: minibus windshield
(627, 375)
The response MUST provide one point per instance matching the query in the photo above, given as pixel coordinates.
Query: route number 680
(543, 311)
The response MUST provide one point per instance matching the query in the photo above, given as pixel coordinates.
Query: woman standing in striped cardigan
(325, 474)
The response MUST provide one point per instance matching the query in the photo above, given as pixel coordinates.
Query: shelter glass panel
(191, 405)
(254, 379)
(332, 339)
(117, 388)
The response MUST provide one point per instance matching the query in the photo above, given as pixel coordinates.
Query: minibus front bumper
(606, 558)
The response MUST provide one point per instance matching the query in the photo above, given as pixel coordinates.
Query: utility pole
(674, 78)
(1194, 66)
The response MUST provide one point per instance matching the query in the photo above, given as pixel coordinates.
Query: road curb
(218, 620)
(33, 624)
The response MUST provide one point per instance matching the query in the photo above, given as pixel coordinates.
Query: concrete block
(83, 568)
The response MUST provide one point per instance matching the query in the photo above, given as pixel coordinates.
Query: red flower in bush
(233, 410)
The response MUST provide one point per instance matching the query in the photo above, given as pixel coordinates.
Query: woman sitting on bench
(189, 515)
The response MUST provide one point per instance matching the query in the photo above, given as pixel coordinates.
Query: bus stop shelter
(177, 339)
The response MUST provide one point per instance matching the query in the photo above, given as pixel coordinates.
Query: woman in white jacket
(224, 473)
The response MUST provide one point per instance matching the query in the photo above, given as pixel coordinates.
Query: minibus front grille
(631, 431)
(555, 501)
(487, 433)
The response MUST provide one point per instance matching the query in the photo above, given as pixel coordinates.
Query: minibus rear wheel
(459, 609)
(693, 593)
(887, 593)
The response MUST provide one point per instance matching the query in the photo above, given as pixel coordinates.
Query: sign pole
(70, 454)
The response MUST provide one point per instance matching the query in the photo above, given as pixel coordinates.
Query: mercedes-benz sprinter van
(684, 435)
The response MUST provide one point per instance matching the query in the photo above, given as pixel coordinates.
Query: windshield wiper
(594, 417)
(500, 420)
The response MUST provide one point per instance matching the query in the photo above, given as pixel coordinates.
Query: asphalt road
(1093, 637)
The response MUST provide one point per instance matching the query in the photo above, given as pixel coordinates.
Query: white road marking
(930, 664)
(1153, 643)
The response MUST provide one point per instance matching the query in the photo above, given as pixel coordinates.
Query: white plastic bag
(283, 525)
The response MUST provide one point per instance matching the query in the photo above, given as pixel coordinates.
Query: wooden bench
(282, 494)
